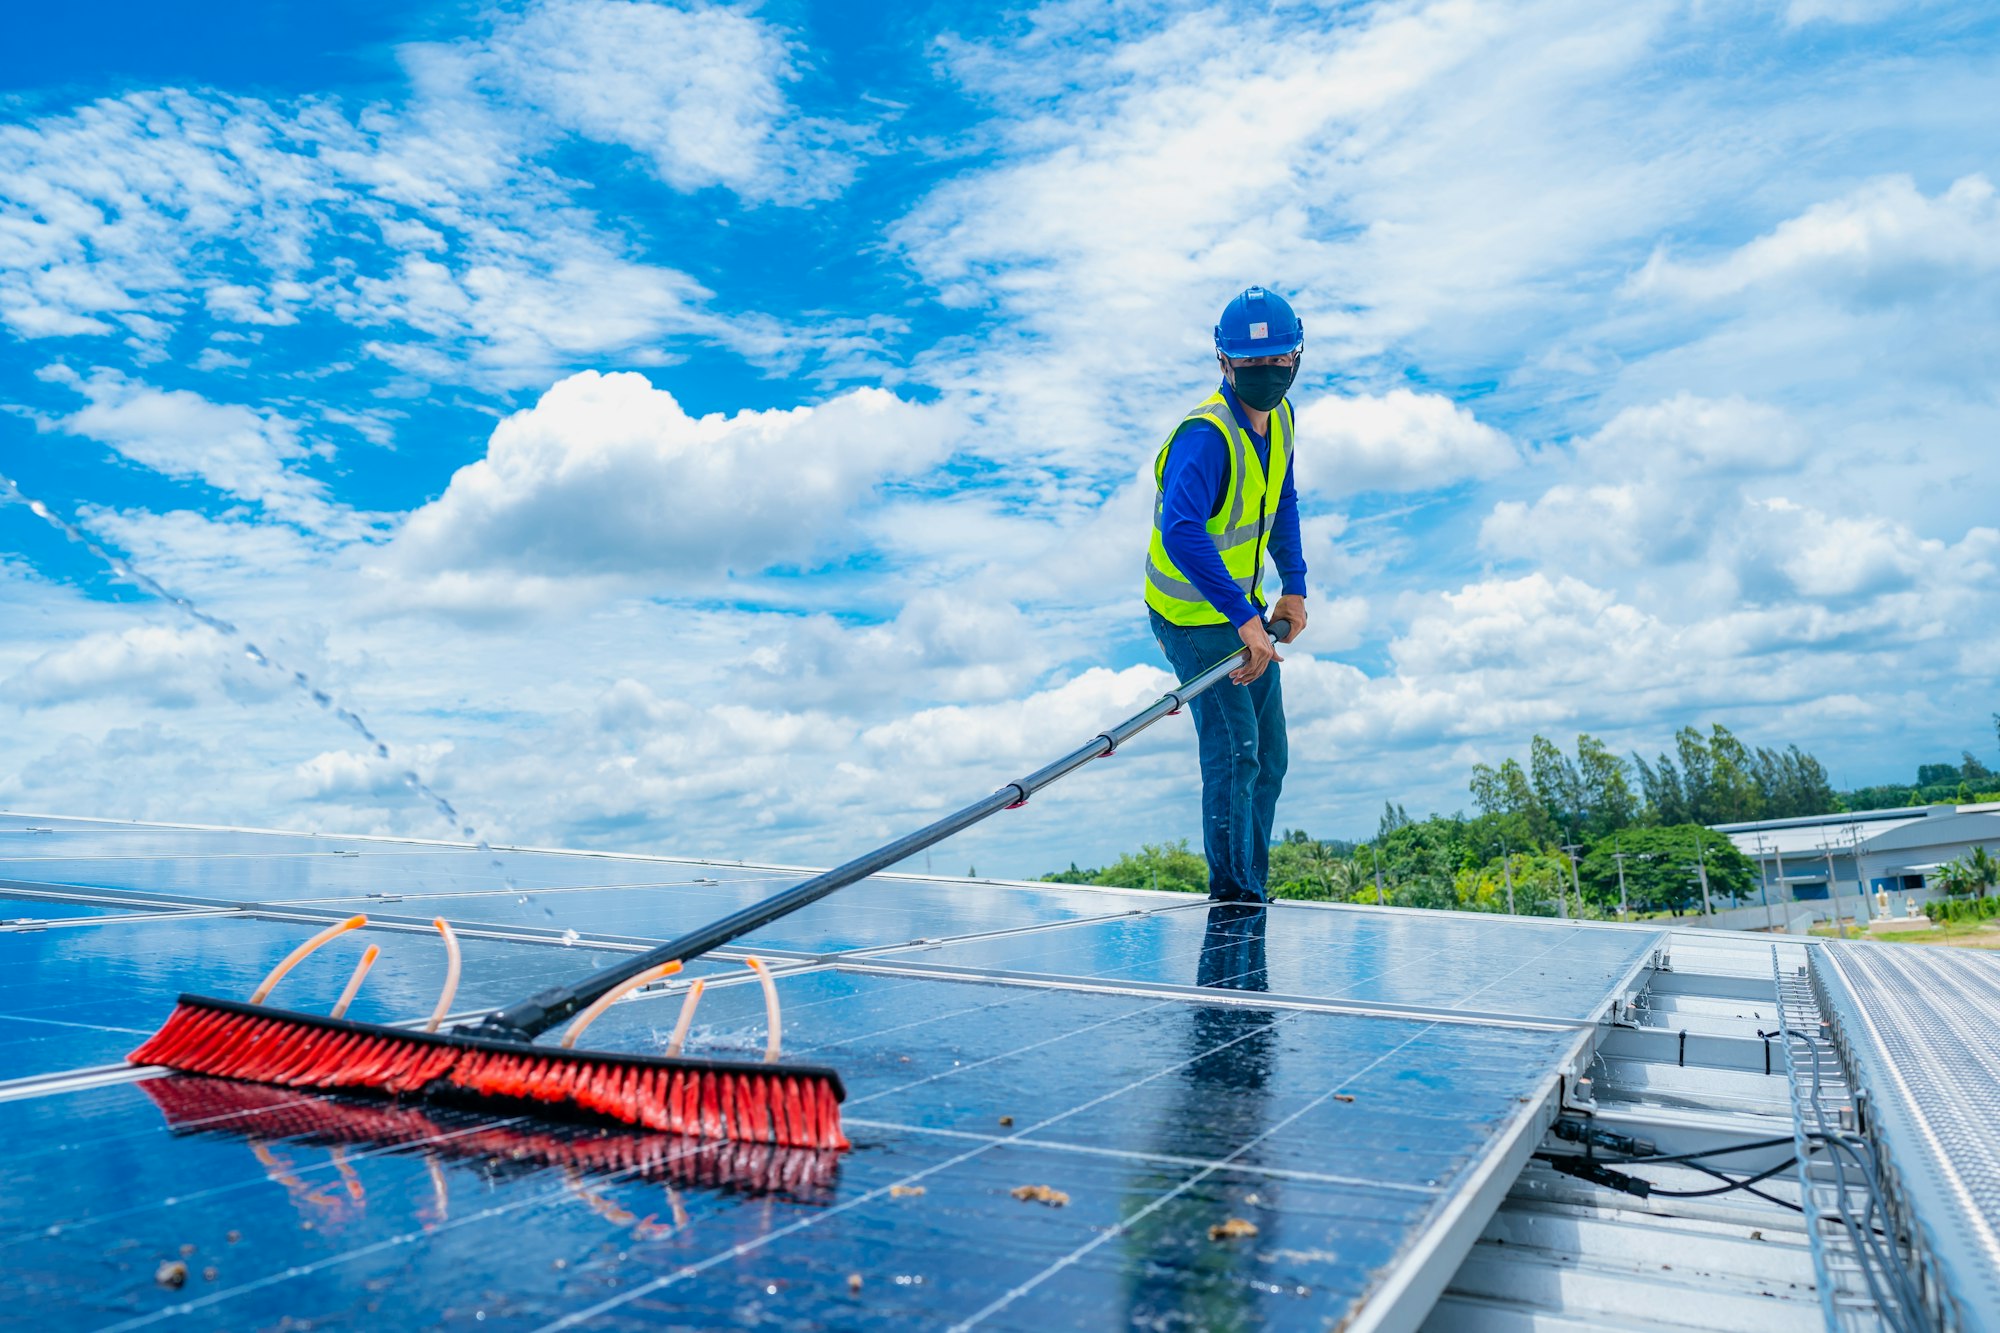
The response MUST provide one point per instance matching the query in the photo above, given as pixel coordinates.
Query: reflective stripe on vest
(1241, 526)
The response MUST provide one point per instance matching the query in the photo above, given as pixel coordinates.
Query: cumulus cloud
(1656, 484)
(1020, 729)
(1399, 441)
(1883, 241)
(607, 474)
(362, 777)
(161, 666)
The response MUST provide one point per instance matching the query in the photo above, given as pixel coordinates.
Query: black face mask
(1262, 388)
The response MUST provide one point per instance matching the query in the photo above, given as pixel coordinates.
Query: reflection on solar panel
(1070, 1107)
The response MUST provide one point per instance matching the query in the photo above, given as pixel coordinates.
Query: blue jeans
(1240, 730)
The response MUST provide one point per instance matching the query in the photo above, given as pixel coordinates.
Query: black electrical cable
(1668, 1158)
(1730, 1183)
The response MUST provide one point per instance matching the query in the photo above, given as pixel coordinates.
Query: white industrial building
(1880, 856)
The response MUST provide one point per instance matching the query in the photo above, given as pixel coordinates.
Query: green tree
(1792, 782)
(1607, 794)
(1660, 874)
(1541, 880)
(1508, 802)
(1305, 867)
(1666, 794)
(1973, 873)
(1733, 795)
(1558, 788)
(1168, 865)
(1985, 870)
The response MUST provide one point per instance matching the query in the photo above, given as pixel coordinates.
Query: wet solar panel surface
(1337, 1137)
(1403, 958)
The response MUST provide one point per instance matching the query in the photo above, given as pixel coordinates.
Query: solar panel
(1201, 1127)
(1527, 968)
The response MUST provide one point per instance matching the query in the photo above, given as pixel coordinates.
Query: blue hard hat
(1259, 322)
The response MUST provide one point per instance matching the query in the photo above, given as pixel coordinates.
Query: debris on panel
(1233, 1229)
(1054, 1198)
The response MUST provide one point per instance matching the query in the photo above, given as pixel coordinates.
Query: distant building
(1817, 859)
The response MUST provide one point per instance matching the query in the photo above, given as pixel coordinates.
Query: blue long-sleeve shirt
(1192, 490)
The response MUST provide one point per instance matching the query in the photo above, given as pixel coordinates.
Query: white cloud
(1883, 241)
(238, 450)
(1845, 557)
(700, 91)
(430, 217)
(606, 474)
(160, 666)
(365, 778)
(1399, 441)
(1657, 484)
(1041, 726)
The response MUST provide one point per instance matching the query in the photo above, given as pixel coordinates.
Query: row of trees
(1712, 779)
(1452, 861)
(1560, 830)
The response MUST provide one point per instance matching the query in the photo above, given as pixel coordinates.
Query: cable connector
(1625, 1145)
(1585, 1168)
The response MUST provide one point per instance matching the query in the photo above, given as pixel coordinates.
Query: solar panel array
(1070, 1107)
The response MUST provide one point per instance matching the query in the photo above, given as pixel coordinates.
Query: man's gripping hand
(1262, 652)
(1291, 608)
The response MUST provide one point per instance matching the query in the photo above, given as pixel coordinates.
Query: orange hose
(354, 982)
(770, 1008)
(611, 997)
(686, 1019)
(450, 975)
(292, 959)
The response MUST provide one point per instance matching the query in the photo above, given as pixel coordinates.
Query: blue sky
(725, 430)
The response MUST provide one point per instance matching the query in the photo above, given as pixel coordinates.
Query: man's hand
(1262, 652)
(1292, 609)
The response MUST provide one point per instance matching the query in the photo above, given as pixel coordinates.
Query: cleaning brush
(264, 1115)
(496, 1059)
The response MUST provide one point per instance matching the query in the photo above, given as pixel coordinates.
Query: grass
(1951, 934)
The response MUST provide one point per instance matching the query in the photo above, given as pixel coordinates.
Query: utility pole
(1764, 887)
(1618, 855)
(1701, 869)
(1562, 904)
(1376, 853)
(1507, 869)
(1778, 855)
(1833, 888)
(1860, 881)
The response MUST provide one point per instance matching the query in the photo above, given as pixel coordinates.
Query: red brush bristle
(752, 1104)
(258, 1114)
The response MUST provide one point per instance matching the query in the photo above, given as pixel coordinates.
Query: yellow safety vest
(1240, 529)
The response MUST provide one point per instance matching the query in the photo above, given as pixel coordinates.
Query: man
(1226, 497)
